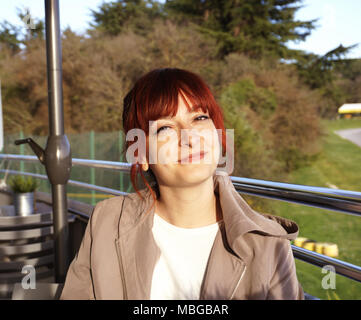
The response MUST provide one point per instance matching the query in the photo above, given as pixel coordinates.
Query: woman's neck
(189, 207)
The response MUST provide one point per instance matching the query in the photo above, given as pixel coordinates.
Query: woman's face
(172, 141)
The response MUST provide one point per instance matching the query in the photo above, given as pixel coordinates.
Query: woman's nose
(190, 137)
(184, 137)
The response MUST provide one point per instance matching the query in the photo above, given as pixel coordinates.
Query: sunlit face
(184, 149)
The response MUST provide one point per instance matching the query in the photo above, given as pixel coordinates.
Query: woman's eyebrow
(194, 109)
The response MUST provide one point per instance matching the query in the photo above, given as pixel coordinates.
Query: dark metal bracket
(56, 157)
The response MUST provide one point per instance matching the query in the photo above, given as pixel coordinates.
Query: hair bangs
(159, 98)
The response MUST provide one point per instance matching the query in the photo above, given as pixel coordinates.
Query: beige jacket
(251, 257)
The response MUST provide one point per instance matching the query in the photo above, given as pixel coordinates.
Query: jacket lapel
(224, 271)
(138, 256)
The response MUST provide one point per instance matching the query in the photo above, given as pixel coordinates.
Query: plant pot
(24, 203)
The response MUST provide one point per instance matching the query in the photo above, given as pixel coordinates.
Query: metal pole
(54, 60)
(22, 152)
(58, 153)
(92, 170)
(121, 174)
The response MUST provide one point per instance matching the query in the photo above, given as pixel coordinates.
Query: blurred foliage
(284, 135)
(9, 34)
(236, 101)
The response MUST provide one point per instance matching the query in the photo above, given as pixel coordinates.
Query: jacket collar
(238, 217)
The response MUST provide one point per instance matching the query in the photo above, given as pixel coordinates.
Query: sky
(339, 20)
(339, 23)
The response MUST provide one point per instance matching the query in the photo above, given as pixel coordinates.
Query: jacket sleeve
(284, 284)
(78, 283)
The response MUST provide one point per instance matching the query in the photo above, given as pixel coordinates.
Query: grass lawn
(339, 164)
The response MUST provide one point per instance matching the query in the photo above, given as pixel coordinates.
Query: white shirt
(178, 274)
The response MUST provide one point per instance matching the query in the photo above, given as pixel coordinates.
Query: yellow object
(299, 241)
(330, 249)
(350, 108)
(319, 247)
(309, 245)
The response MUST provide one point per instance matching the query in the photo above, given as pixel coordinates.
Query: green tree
(321, 72)
(9, 36)
(248, 144)
(255, 27)
(35, 27)
(12, 36)
(114, 17)
(349, 79)
(318, 71)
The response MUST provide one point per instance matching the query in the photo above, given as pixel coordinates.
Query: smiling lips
(193, 157)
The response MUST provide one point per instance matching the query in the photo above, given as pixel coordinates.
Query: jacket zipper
(239, 281)
(125, 295)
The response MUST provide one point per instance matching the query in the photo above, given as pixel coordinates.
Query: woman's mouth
(193, 157)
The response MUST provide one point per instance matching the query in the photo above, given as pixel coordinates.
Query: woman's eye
(161, 128)
(202, 116)
(164, 127)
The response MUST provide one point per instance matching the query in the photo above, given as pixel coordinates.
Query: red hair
(155, 95)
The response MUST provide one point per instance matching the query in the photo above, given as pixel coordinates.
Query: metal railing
(344, 201)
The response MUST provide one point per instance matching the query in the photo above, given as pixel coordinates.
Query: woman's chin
(196, 172)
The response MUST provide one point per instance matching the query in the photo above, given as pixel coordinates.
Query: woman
(188, 234)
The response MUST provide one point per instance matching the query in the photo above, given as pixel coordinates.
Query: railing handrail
(343, 268)
(101, 164)
(71, 182)
(277, 190)
(343, 201)
(338, 200)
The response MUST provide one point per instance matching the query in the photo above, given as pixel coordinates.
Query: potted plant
(23, 194)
